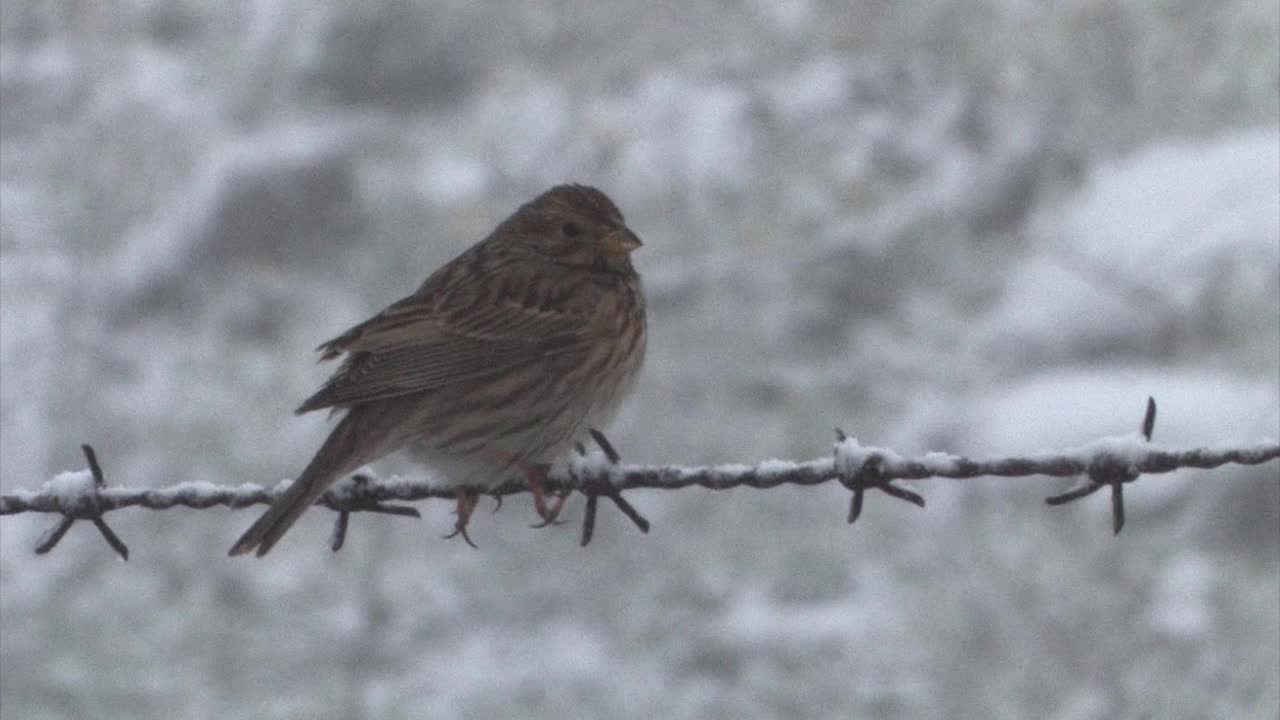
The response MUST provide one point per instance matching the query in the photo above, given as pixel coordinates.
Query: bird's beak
(620, 243)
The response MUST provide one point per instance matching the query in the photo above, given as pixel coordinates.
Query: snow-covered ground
(982, 228)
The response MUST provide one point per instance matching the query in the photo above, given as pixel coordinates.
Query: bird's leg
(536, 476)
(467, 501)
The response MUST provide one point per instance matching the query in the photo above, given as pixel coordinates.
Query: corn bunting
(497, 364)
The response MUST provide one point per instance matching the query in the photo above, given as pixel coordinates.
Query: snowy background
(983, 228)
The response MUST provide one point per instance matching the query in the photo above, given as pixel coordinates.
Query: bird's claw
(549, 515)
(460, 529)
(467, 501)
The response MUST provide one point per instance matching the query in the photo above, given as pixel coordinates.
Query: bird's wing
(442, 336)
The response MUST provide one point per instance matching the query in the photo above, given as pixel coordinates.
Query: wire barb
(870, 475)
(339, 534)
(606, 446)
(53, 535)
(1111, 472)
(357, 496)
(595, 487)
(87, 508)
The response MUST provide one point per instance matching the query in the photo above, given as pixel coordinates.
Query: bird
(502, 360)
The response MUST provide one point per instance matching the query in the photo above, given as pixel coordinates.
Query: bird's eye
(570, 229)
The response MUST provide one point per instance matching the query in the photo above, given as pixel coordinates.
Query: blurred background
(986, 228)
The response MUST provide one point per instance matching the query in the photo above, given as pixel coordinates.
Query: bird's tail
(341, 453)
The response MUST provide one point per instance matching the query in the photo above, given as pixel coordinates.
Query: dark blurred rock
(274, 214)
(175, 23)
(271, 205)
(396, 55)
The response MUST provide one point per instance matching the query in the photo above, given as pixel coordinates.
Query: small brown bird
(499, 362)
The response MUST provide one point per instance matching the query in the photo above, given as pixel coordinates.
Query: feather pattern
(503, 357)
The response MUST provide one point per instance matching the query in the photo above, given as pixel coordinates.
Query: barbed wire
(1109, 462)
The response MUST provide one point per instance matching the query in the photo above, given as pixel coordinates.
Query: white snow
(197, 488)
(674, 130)
(450, 177)
(851, 456)
(812, 89)
(595, 464)
(939, 462)
(792, 17)
(1129, 449)
(70, 487)
(1196, 407)
(774, 467)
(1160, 237)
(1181, 605)
(754, 619)
(1168, 211)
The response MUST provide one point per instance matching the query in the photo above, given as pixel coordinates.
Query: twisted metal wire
(354, 497)
(1105, 464)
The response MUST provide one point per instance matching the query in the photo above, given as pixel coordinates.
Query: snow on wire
(1109, 462)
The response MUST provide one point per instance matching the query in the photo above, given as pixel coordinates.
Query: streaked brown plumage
(499, 361)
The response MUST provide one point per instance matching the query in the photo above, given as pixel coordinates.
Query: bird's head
(576, 225)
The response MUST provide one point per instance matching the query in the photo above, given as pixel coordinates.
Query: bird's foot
(536, 475)
(467, 501)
